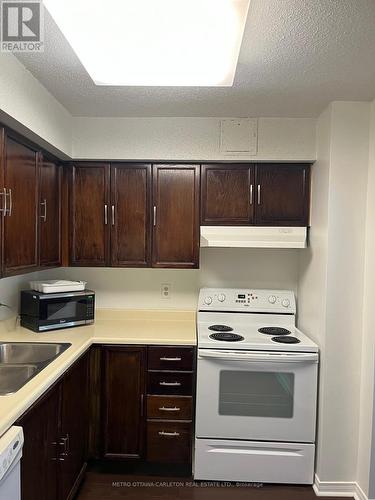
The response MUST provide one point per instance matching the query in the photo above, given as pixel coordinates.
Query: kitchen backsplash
(9, 293)
(141, 288)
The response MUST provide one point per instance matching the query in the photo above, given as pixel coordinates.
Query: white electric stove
(256, 389)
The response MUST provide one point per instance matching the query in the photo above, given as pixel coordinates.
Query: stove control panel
(231, 299)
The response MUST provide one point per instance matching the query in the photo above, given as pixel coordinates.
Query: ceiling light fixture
(154, 42)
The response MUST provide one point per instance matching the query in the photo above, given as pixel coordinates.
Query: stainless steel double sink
(21, 361)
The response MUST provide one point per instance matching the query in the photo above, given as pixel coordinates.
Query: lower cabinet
(55, 430)
(170, 404)
(158, 427)
(73, 428)
(39, 464)
(139, 407)
(123, 388)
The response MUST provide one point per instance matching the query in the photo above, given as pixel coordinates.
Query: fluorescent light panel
(154, 42)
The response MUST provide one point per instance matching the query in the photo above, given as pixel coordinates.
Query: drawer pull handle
(170, 359)
(174, 384)
(169, 434)
(163, 408)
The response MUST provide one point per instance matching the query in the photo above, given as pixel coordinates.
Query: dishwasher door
(10, 455)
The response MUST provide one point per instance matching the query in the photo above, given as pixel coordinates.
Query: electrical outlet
(165, 290)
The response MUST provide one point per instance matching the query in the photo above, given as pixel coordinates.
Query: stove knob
(286, 303)
(221, 297)
(272, 299)
(208, 300)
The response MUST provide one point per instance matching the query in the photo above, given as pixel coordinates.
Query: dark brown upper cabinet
(134, 215)
(110, 215)
(130, 215)
(89, 214)
(20, 209)
(263, 194)
(175, 216)
(227, 195)
(123, 401)
(283, 195)
(50, 213)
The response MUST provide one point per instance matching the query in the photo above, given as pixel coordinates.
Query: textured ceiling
(296, 57)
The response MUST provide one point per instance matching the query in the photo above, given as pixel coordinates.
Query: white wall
(313, 261)
(312, 284)
(337, 256)
(9, 294)
(187, 139)
(29, 108)
(367, 432)
(140, 288)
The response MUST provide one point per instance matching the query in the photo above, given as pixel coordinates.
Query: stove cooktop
(268, 332)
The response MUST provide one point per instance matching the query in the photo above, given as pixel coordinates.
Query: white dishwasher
(10, 455)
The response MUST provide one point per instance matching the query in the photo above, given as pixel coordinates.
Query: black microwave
(41, 312)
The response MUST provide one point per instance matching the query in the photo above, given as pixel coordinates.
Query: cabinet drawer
(170, 383)
(173, 407)
(169, 442)
(170, 358)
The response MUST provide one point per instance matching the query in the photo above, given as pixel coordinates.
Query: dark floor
(100, 486)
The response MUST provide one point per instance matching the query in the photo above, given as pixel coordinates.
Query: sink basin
(13, 377)
(30, 352)
(21, 361)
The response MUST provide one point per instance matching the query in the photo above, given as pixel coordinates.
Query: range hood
(253, 237)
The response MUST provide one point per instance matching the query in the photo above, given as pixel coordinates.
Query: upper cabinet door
(282, 195)
(227, 194)
(175, 216)
(130, 215)
(90, 214)
(22, 204)
(50, 213)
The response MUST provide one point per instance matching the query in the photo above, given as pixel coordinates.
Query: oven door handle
(269, 357)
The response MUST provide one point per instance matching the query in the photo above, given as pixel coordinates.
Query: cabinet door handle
(105, 214)
(154, 215)
(163, 408)
(3, 210)
(113, 215)
(142, 404)
(170, 384)
(57, 459)
(44, 215)
(10, 209)
(169, 434)
(251, 194)
(259, 194)
(170, 359)
(65, 442)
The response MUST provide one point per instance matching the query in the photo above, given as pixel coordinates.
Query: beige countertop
(110, 327)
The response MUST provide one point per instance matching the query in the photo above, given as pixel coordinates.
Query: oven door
(256, 395)
(65, 309)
